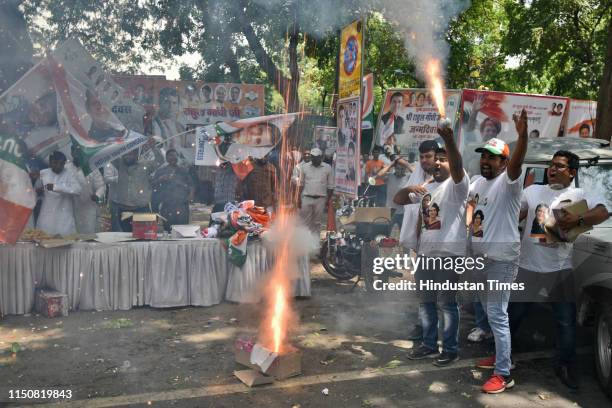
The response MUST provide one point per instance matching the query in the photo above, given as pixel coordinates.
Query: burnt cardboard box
(288, 364)
(51, 303)
(252, 377)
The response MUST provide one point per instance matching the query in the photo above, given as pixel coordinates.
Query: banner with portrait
(581, 117)
(239, 140)
(367, 102)
(409, 117)
(87, 70)
(325, 139)
(176, 106)
(194, 102)
(92, 127)
(28, 111)
(488, 114)
(350, 60)
(347, 172)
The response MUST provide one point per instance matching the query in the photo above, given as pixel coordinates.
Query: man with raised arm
(441, 235)
(499, 190)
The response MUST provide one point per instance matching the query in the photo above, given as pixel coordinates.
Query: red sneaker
(497, 383)
(489, 363)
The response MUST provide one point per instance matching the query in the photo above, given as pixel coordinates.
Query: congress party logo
(351, 52)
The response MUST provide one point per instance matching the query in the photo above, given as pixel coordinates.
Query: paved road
(354, 345)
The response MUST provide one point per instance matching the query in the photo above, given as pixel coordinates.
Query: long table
(119, 276)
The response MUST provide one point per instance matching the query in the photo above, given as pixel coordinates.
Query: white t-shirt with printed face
(443, 219)
(539, 201)
(494, 231)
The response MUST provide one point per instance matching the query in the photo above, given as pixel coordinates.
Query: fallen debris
(253, 378)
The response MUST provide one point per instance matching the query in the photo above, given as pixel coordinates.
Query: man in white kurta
(93, 189)
(59, 186)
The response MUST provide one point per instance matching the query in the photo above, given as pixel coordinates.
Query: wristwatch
(580, 221)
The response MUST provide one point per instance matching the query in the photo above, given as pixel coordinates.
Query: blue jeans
(495, 303)
(481, 317)
(428, 314)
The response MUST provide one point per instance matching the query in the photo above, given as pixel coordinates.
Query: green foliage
(561, 44)
(541, 46)
(115, 32)
(475, 37)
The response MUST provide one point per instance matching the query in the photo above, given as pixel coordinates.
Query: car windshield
(598, 180)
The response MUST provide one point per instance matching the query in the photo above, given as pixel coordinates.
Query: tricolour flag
(100, 136)
(367, 102)
(17, 197)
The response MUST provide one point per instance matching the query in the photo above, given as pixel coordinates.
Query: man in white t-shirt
(496, 197)
(418, 183)
(546, 269)
(441, 235)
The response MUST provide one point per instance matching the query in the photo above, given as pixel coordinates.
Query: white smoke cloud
(302, 241)
(423, 24)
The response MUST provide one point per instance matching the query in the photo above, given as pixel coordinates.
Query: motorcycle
(349, 252)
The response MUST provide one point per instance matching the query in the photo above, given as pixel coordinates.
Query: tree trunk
(603, 128)
(232, 63)
(15, 44)
(287, 87)
(292, 99)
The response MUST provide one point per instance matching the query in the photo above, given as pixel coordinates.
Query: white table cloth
(98, 276)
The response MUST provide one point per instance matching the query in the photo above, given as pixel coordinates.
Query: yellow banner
(351, 56)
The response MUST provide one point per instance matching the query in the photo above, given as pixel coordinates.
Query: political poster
(348, 140)
(90, 72)
(92, 126)
(28, 111)
(581, 117)
(488, 114)
(325, 139)
(239, 140)
(409, 116)
(175, 106)
(350, 60)
(367, 102)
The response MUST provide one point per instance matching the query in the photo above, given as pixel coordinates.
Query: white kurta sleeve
(98, 184)
(68, 185)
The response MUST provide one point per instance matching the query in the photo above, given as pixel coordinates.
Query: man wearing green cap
(499, 190)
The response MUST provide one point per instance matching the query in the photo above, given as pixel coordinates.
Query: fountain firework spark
(435, 84)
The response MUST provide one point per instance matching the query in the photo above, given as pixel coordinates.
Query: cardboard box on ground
(264, 361)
